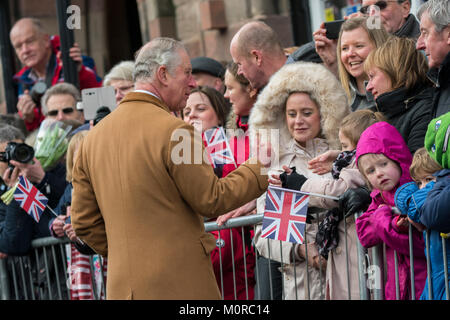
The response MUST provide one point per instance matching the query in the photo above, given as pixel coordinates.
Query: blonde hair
(353, 125)
(401, 62)
(71, 149)
(376, 35)
(423, 163)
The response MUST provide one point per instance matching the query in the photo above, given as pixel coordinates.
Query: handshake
(350, 202)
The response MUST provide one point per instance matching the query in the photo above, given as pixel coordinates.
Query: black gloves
(293, 181)
(101, 113)
(354, 201)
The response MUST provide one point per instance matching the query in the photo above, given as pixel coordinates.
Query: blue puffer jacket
(410, 200)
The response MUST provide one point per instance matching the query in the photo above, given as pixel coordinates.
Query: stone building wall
(206, 27)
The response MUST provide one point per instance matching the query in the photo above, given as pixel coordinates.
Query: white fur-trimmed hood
(312, 78)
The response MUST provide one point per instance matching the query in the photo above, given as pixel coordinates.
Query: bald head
(31, 43)
(257, 35)
(256, 50)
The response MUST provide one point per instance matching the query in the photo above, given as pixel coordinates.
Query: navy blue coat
(435, 213)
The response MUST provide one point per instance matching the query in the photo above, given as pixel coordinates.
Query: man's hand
(58, 225)
(68, 229)
(275, 179)
(26, 106)
(3, 255)
(75, 55)
(32, 171)
(245, 210)
(11, 177)
(323, 163)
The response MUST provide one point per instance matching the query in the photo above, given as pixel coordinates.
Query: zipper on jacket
(447, 136)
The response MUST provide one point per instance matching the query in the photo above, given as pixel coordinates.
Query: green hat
(437, 140)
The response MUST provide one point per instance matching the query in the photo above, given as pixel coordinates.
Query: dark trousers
(269, 279)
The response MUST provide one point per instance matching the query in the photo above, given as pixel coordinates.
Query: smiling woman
(306, 103)
(355, 43)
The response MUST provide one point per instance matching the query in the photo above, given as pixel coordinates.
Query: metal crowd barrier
(43, 274)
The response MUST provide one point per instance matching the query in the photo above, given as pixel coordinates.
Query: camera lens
(23, 153)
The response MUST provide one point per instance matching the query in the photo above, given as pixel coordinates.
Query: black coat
(441, 99)
(409, 113)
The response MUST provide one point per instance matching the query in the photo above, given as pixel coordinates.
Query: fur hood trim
(312, 78)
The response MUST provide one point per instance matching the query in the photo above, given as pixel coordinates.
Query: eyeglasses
(380, 4)
(54, 113)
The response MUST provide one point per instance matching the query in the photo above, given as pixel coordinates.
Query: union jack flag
(285, 215)
(30, 198)
(217, 148)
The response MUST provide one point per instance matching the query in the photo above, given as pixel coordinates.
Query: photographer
(52, 184)
(41, 56)
(17, 228)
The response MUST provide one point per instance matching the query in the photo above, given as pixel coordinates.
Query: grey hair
(9, 133)
(439, 12)
(121, 71)
(60, 88)
(158, 52)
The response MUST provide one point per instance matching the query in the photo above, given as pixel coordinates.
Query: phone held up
(333, 28)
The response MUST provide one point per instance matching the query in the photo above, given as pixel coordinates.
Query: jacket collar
(444, 71)
(442, 173)
(410, 29)
(144, 97)
(398, 101)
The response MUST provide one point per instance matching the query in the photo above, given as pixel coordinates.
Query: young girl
(383, 159)
(332, 230)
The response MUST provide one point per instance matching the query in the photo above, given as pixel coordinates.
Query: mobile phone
(333, 28)
(94, 98)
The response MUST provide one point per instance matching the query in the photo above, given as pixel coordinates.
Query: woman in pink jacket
(384, 160)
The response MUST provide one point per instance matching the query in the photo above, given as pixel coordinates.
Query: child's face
(346, 144)
(423, 179)
(382, 172)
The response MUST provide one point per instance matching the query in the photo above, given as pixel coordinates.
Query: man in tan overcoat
(134, 202)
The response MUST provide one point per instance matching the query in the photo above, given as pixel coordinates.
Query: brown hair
(232, 68)
(353, 125)
(401, 62)
(218, 103)
(71, 149)
(377, 35)
(423, 163)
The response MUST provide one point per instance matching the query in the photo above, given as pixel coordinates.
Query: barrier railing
(45, 272)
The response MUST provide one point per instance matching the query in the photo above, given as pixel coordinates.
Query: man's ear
(256, 56)
(161, 75)
(406, 7)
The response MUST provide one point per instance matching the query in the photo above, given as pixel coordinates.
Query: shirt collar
(148, 92)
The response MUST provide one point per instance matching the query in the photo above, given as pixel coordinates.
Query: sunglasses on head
(53, 113)
(380, 4)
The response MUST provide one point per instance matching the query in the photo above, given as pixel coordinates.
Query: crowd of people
(364, 118)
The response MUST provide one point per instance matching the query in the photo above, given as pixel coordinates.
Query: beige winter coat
(269, 113)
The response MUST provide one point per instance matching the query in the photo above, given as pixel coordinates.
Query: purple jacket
(378, 224)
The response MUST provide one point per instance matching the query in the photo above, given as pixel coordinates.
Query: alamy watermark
(74, 20)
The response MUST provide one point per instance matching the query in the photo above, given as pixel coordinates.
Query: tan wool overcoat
(134, 203)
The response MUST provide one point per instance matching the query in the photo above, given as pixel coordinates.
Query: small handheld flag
(285, 215)
(30, 198)
(217, 148)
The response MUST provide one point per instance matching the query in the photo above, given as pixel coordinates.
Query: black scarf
(327, 237)
(343, 160)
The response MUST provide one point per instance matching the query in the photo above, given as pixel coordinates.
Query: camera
(37, 91)
(20, 152)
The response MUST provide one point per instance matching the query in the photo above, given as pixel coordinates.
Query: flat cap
(208, 65)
